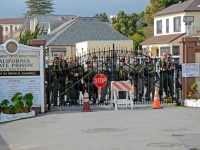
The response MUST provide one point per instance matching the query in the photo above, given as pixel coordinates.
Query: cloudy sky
(84, 8)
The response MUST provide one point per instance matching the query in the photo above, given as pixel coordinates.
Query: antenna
(77, 9)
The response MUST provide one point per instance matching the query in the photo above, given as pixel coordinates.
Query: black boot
(94, 101)
(140, 97)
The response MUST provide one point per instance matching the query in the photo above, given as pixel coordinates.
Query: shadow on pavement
(3, 144)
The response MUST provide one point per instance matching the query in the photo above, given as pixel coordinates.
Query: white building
(169, 26)
(11, 27)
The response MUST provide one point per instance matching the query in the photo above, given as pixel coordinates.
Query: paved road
(170, 128)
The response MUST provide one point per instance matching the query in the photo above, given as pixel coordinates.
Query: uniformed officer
(60, 74)
(76, 72)
(171, 67)
(122, 75)
(149, 79)
(138, 71)
(164, 66)
(106, 65)
(120, 70)
(90, 72)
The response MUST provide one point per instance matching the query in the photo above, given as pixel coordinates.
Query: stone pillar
(1, 34)
(187, 55)
(38, 43)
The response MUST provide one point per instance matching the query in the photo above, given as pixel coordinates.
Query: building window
(177, 24)
(167, 25)
(165, 49)
(159, 26)
(6, 28)
(175, 50)
(15, 28)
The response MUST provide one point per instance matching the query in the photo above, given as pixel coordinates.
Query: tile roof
(55, 23)
(44, 19)
(47, 17)
(44, 26)
(45, 37)
(13, 20)
(162, 39)
(62, 26)
(83, 29)
(187, 6)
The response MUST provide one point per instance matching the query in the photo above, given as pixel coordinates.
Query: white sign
(8, 87)
(22, 61)
(22, 70)
(190, 70)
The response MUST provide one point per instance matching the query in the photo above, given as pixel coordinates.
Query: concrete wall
(91, 46)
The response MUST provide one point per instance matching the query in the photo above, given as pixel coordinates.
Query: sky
(83, 8)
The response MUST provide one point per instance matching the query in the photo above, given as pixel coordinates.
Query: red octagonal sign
(100, 80)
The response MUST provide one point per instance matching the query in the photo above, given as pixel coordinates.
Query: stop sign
(100, 80)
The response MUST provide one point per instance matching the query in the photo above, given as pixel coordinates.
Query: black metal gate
(109, 63)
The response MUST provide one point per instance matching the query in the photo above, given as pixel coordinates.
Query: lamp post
(188, 20)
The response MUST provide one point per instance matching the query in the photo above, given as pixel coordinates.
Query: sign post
(100, 80)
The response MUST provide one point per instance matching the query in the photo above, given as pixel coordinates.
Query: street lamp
(188, 20)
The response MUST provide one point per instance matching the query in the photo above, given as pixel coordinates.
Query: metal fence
(116, 65)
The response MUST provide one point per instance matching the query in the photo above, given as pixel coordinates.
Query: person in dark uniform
(171, 67)
(164, 66)
(76, 72)
(138, 71)
(149, 80)
(122, 75)
(60, 74)
(106, 65)
(90, 72)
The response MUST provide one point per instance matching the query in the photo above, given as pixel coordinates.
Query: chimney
(1, 34)
(62, 18)
(11, 31)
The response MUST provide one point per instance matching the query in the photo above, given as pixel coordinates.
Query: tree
(137, 39)
(28, 35)
(141, 22)
(39, 7)
(102, 17)
(148, 31)
(125, 24)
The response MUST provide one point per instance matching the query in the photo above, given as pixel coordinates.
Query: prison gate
(108, 63)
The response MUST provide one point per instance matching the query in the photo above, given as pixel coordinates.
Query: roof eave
(153, 16)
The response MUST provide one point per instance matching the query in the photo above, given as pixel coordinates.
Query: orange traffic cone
(86, 104)
(156, 102)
